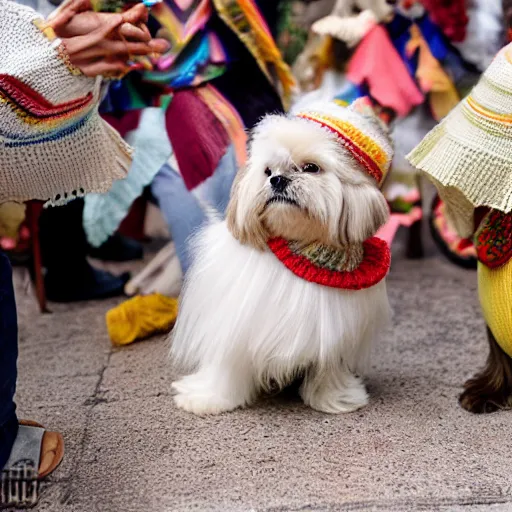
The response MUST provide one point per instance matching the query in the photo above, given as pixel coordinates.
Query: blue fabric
(437, 42)
(183, 210)
(398, 30)
(103, 213)
(351, 92)
(450, 58)
(8, 358)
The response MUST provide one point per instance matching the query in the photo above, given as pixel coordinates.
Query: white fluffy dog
(291, 284)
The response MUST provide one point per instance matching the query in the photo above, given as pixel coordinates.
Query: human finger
(114, 49)
(79, 43)
(65, 13)
(114, 69)
(139, 13)
(134, 33)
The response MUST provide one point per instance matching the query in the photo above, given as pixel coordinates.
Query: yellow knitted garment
(495, 292)
(141, 317)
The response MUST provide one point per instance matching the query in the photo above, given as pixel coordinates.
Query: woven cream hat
(468, 155)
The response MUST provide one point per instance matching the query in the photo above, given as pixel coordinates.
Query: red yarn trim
(373, 268)
(493, 239)
(33, 103)
(372, 168)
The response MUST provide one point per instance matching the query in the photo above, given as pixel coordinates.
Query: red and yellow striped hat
(360, 132)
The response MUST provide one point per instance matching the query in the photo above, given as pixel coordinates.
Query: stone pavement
(129, 449)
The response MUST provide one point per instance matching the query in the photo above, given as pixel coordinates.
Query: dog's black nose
(279, 183)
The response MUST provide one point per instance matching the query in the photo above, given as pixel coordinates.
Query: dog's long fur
(246, 322)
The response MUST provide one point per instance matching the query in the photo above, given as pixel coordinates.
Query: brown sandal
(52, 449)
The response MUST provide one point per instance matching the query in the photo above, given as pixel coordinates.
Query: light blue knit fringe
(103, 213)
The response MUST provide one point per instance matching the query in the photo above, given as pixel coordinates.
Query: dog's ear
(243, 216)
(364, 211)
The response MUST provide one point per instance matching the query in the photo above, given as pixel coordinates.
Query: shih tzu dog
(291, 284)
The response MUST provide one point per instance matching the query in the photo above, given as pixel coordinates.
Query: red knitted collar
(372, 269)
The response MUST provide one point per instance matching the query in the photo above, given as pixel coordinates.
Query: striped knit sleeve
(54, 146)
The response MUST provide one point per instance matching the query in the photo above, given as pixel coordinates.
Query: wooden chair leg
(33, 212)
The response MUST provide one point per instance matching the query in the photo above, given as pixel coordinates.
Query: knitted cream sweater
(53, 144)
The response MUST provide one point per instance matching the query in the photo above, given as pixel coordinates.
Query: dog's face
(301, 184)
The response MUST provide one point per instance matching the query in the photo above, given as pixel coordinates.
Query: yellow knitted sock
(141, 317)
(495, 292)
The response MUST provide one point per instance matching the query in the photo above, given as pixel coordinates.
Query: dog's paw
(333, 403)
(336, 401)
(191, 397)
(473, 400)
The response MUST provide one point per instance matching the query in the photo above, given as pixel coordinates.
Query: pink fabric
(388, 231)
(124, 123)
(377, 64)
(197, 137)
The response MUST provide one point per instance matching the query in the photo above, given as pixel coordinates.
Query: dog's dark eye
(268, 172)
(312, 168)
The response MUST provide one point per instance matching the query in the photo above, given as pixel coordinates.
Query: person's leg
(216, 190)
(180, 209)
(69, 276)
(8, 358)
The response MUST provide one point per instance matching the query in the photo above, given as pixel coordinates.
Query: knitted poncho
(53, 144)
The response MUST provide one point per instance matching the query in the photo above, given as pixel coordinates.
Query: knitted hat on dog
(360, 131)
(468, 155)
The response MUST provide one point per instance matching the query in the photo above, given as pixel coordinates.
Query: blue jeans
(183, 210)
(8, 358)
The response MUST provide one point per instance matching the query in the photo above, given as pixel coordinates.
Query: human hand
(103, 43)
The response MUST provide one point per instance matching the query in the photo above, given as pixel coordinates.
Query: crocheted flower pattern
(321, 265)
(493, 239)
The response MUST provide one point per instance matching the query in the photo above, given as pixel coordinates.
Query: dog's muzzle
(279, 183)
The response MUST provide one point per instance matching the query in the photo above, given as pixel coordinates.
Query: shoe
(90, 284)
(117, 248)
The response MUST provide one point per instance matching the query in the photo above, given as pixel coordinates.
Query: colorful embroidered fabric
(228, 117)
(325, 265)
(493, 239)
(198, 53)
(196, 56)
(244, 18)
